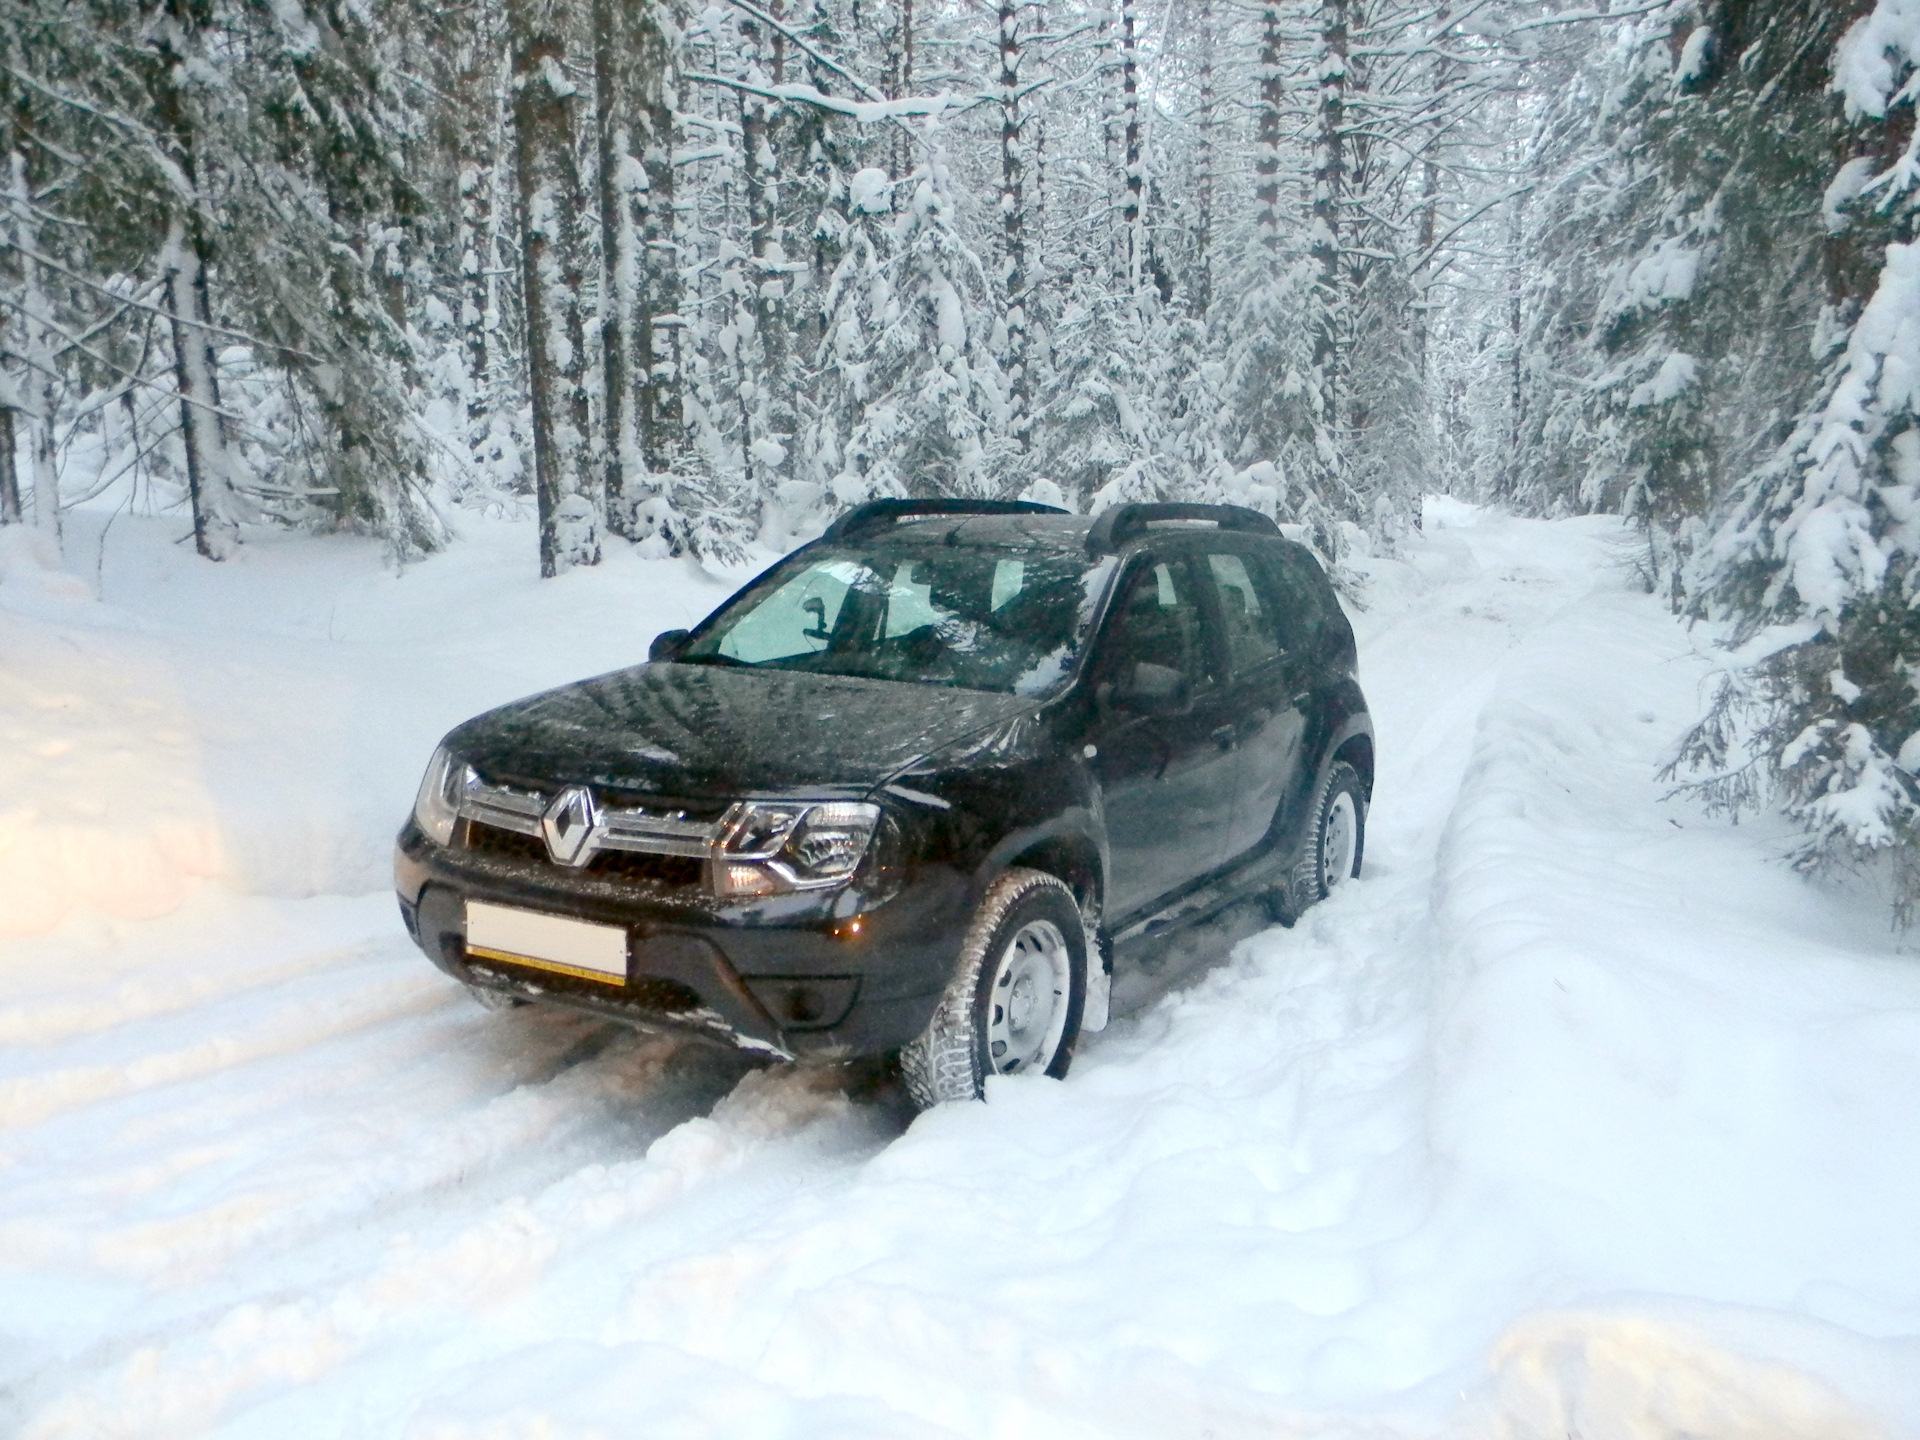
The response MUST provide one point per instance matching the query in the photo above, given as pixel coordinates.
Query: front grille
(670, 871)
(706, 812)
(492, 840)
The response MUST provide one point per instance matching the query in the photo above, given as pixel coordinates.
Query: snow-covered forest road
(1578, 1116)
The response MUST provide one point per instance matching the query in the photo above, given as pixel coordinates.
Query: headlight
(773, 847)
(437, 807)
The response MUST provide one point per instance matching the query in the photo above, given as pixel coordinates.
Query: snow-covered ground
(1578, 1117)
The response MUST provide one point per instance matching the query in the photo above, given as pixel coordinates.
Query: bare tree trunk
(1013, 227)
(1104, 67)
(1267, 133)
(766, 400)
(1133, 210)
(1039, 341)
(1329, 183)
(1429, 228)
(1516, 325)
(40, 381)
(1200, 294)
(753, 141)
(9, 470)
(902, 147)
(481, 142)
(550, 200)
(616, 178)
(209, 471)
(10, 512)
(658, 325)
(476, 310)
(1430, 205)
(189, 304)
(896, 80)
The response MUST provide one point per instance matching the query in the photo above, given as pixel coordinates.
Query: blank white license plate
(547, 942)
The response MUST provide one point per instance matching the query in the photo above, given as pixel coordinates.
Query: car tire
(1330, 852)
(1015, 1001)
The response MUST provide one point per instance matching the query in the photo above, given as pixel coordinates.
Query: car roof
(988, 532)
(1039, 532)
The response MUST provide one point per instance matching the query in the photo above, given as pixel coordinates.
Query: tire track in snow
(33, 1098)
(158, 1385)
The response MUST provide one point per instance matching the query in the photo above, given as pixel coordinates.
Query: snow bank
(102, 801)
(1668, 1065)
(263, 722)
(30, 566)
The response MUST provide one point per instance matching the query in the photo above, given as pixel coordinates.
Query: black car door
(1264, 688)
(1165, 774)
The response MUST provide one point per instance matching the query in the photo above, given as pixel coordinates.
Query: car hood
(690, 731)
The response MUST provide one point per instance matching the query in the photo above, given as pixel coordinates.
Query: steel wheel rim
(1027, 1004)
(1337, 841)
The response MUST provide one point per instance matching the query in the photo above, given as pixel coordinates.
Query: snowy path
(1577, 1116)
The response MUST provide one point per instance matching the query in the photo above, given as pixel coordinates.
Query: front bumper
(840, 972)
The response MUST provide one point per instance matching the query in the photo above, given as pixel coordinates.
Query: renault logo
(569, 825)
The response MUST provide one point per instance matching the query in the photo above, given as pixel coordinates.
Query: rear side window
(1301, 596)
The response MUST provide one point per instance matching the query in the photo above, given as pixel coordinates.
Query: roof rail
(878, 513)
(1122, 523)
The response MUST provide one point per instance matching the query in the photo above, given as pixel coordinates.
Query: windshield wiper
(714, 659)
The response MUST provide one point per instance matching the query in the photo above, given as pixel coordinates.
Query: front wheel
(1014, 1004)
(1331, 850)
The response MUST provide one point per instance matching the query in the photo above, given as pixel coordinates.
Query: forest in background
(699, 278)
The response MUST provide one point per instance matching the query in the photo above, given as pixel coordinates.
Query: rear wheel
(1014, 1004)
(1331, 851)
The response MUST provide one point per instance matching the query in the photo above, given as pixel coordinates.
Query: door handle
(1224, 737)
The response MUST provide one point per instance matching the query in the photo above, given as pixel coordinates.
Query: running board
(1203, 903)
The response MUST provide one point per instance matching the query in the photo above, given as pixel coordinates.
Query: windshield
(1011, 621)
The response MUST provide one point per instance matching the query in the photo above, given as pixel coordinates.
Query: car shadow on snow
(652, 1082)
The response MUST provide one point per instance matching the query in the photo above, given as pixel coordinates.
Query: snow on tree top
(870, 192)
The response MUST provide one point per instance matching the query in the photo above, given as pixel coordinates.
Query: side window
(1298, 600)
(1158, 626)
(1248, 621)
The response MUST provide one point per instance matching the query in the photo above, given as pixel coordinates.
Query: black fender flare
(1074, 833)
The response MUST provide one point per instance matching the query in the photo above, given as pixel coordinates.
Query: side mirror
(1151, 689)
(666, 645)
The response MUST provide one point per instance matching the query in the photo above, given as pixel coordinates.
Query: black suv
(912, 789)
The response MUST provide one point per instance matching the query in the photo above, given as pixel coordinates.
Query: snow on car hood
(698, 730)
